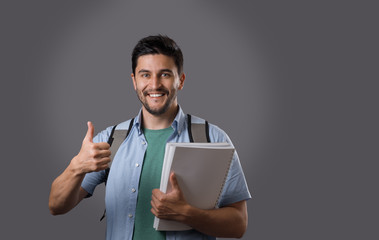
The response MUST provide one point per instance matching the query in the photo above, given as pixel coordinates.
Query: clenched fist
(92, 157)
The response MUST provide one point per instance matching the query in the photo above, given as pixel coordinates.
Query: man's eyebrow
(161, 70)
(143, 71)
(166, 70)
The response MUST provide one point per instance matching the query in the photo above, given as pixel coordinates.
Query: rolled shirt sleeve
(235, 188)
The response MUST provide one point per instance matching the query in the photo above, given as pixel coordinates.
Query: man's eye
(145, 75)
(165, 75)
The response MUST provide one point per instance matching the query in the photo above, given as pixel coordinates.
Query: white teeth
(156, 95)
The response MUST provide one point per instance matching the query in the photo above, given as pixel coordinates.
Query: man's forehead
(155, 61)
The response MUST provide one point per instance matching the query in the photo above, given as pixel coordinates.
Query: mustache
(160, 90)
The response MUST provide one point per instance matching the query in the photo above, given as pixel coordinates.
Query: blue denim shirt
(123, 180)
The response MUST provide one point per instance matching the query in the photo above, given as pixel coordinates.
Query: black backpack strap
(115, 140)
(198, 132)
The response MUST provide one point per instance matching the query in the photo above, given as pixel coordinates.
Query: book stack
(201, 170)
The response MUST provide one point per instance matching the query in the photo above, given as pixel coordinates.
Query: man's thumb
(174, 181)
(90, 131)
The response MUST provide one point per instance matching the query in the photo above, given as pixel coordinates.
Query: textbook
(201, 170)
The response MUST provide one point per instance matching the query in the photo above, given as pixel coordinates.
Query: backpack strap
(198, 132)
(117, 137)
(115, 140)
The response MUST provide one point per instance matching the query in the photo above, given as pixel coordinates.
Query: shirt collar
(178, 124)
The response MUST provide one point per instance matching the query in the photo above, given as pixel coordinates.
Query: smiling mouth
(156, 94)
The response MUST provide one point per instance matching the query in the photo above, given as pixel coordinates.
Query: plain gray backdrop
(293, 83)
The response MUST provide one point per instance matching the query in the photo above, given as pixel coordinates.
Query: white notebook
(201, 170)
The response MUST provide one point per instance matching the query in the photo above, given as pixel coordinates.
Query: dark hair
(158, 44)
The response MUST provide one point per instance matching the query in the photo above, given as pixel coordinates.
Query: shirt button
(137, 164)
(130, 215)
(133, 190)
(143, 143)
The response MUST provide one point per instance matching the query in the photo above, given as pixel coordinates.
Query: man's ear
(181, 81)
(134, 81)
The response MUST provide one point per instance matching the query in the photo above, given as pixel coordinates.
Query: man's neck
(162, 121)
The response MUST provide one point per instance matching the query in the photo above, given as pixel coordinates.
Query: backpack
(198, 132)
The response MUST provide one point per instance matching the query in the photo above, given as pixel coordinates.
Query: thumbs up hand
(92, 157)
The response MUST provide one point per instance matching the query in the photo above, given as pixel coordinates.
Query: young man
(132, 194)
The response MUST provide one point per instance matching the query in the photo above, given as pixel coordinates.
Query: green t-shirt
(150, 179)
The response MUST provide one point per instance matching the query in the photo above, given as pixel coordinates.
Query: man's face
(157, 82)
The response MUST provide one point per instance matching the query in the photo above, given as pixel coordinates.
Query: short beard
(156, 112)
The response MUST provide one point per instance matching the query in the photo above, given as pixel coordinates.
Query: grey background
(294, 83)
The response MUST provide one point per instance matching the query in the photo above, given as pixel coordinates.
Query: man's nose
(155, 82)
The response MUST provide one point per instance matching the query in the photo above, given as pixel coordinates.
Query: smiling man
(132, 194)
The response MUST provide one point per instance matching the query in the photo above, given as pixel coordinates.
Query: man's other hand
(171, 205)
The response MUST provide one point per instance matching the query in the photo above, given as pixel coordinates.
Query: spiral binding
(223, 182)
